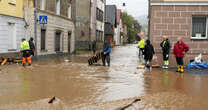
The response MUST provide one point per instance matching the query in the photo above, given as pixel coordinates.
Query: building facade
(82, 18)
(110, 23)
(97, 21)
(12, 25)
(118, 29)
(180, 18)
(57, 36)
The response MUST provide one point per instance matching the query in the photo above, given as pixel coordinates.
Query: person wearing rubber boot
(179, 49)
(25, 49)
(106, 53)
(165, 45)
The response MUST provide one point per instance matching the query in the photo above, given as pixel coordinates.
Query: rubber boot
(182, 69)
(178, 69)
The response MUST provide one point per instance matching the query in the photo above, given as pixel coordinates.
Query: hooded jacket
(107, 48)
(32, 46)
(148, 51)
(165, 45)
(180, 48)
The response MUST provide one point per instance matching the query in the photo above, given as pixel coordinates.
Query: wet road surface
(79, 86)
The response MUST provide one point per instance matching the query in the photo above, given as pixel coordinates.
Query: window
(69, 12)
(199, 27)
(58, 7)
(58, 41)
(99, 35)
(42, 4)
(12, 41)
(99, 15)
(43, 39)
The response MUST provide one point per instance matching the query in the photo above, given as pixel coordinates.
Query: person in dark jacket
(32, 47)
(94, 47)
(179, 49)
(106, 53)
(165, 45)
(148, 53)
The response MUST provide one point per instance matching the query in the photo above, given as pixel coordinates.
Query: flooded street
(79, 86)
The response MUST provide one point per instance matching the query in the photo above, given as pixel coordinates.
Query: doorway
(58, 41)
(69, 42)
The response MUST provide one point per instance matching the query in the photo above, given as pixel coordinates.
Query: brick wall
(175, 21)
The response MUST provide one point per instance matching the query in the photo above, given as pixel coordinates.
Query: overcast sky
(134, 7)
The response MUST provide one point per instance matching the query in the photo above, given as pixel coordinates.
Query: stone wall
(175, 21)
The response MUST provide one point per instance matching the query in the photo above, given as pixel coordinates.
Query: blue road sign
(43, 19)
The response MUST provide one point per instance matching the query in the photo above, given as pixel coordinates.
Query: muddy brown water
(81, 86)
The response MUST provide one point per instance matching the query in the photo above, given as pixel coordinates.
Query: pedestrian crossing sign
(43, 19)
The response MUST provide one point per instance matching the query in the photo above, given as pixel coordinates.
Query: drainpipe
(149, 16)
(75, 26)
(35, 27)
(90, 25)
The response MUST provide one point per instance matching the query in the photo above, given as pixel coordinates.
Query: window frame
(42, 4)
(206, 32)
(69, 13)
(58, 7)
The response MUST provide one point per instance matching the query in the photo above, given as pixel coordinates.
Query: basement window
(199, 27)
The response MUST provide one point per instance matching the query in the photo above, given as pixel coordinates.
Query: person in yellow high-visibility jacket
(141, 46)
(25, 49)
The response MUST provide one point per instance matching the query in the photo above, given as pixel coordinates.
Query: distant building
(125, 33)
(110, 23)
(184, 18)
(12, 25)
(57, 36)
(118, 29)
(83, 19)
(97, 22)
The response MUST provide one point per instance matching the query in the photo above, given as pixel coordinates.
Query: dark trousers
(106, 58)
(165, 56)
(179, 60)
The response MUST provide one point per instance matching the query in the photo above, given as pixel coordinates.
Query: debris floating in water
(52, 100)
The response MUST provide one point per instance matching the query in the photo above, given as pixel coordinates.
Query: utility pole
(35, 27)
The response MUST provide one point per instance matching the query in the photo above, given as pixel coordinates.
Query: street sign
(43, 19)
